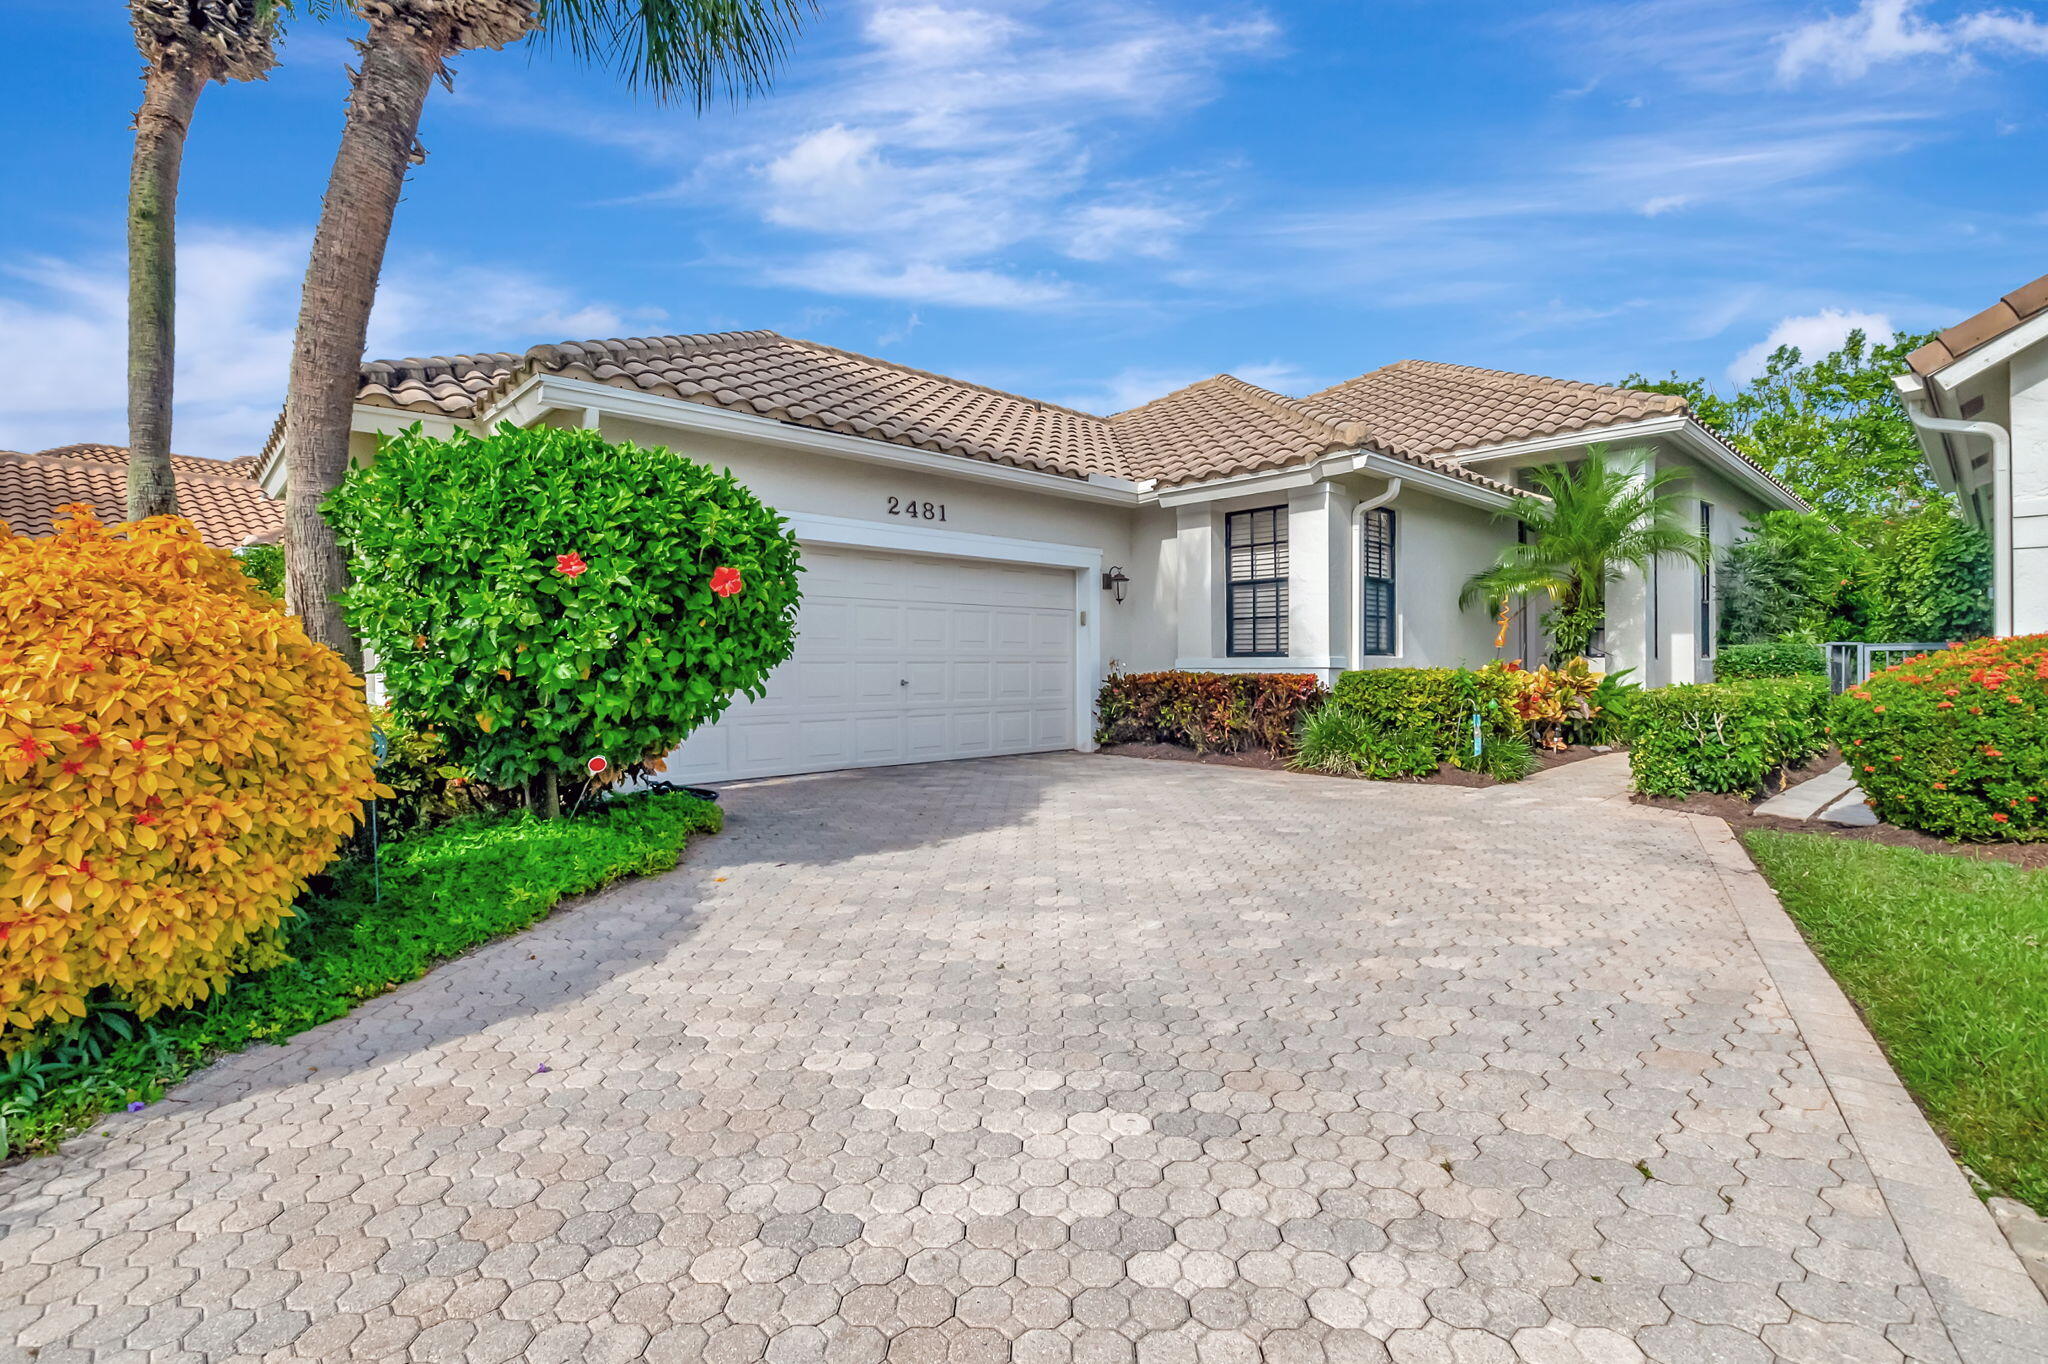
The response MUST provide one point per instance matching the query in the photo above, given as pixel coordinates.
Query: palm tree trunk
(170, 92)
(378, 144)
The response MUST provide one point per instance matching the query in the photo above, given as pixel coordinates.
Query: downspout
(1388, 494)
(2001, 497)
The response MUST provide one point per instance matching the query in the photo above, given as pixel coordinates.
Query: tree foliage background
(1884, 555)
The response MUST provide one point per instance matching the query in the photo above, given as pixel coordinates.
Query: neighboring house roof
(220, 497)
(1414, 410)
(1995, 321)
(1422, 407)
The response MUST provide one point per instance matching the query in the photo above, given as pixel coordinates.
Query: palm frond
(700, 48)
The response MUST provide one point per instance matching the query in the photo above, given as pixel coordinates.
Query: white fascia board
(818, 528)
(1441, 484)
(1695, 437)
(1990, 355)
(1330, 466)
(1569, 440)
(544, 393)
(373, 418)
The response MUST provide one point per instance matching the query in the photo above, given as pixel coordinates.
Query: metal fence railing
(1851, 661)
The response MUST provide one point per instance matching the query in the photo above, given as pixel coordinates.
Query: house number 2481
(923, 511)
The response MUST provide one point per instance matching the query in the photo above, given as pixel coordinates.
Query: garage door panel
(974, 732)
(905, 658)
(971, 630)
(874, 683)
(927, 682)
(928, 627)
(974, 681)
(1012, 730)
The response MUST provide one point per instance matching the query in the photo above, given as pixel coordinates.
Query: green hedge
(441, 894)
(1725, 736)
(1955, 742)
(1737, 662)
(1430, 707)
(1208, 712)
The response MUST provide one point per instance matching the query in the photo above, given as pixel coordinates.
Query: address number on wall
(923, 511)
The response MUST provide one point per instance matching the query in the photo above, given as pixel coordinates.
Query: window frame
(1278, 543)
(1706, 609)
(1389, 621)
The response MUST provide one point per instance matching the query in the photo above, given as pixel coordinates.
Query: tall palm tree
(185, 44)
(698, 48)
(1594, 522)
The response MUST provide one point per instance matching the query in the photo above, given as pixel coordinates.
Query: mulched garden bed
(1740, 812)
(1268, 761)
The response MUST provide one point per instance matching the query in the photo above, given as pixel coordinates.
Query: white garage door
(905, 658)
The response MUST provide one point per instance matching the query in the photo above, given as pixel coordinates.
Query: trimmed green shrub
(1208, 712)
(1437, 702)
(541, 597)
(1725, 736)
(1737, 662)
(431, 898)
(1343, 744)
(1955, 743)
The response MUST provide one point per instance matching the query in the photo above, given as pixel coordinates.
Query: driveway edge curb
(1986, 1299)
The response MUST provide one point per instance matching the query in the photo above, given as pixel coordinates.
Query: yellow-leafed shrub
(176, 758)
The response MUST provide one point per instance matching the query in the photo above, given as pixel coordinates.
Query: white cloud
(1881, 32)
(933, 35)
(872, 275)
(1815, 334)
(1658, 205)
(1105, 231)
(957, 136)
(1139, 384)
(237, 303)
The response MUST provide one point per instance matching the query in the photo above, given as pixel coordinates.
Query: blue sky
(1090, 203)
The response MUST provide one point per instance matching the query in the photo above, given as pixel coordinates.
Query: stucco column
(2029, 530)
(1198, 554)
(1628, 597)
(1313, 538)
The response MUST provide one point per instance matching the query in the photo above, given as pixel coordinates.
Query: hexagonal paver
(1048, 1060)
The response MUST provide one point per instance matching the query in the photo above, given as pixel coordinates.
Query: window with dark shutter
(1255, 557)
(1376, 558)
(1707, 582)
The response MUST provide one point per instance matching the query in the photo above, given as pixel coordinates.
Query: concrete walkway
(1833, 797)
(1062, 1059)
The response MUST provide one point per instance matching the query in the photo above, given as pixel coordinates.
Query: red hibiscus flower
(726, 581)
(570, 565)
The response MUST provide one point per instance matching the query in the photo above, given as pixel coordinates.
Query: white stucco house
(1978, 396)
(976, 561)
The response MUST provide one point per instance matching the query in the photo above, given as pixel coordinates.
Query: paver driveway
(1033, 1059)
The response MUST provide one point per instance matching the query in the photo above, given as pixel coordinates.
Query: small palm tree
(185, 44)
(1593, 523)
(698, 48)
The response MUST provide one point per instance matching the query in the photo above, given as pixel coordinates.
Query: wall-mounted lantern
(1114, 580)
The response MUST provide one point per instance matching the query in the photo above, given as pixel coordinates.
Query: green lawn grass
(1948, 959)
(433, 896)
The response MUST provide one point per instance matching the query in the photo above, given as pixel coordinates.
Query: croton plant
(544, 597)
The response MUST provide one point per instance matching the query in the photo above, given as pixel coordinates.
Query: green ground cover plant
(363, 933)
(1725, 736)
(1947, 957)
